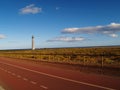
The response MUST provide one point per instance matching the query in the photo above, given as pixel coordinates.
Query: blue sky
(59, 23)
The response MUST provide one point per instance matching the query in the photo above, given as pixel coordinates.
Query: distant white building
(33, 43)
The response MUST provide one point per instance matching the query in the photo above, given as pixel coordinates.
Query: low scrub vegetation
(97, 56)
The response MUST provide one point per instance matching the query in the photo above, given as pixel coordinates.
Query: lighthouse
(33, 44)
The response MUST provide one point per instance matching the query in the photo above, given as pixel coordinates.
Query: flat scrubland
(94, 57)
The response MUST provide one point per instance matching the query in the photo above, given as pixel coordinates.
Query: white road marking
(25, 79)
(18, 76)
(5, 70)
(9, 72)
(42, 86)
(13, 74)
(66, 79)
(33, 82)
(1, 68)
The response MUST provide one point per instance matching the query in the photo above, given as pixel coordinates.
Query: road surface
(22, 75)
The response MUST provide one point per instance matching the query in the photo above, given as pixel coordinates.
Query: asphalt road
(22, 75)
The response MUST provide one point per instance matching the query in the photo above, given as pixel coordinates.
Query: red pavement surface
(21, 75)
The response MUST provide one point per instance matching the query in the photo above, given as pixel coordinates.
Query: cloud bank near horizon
(2, 36)
(66, 39)
(109, 30)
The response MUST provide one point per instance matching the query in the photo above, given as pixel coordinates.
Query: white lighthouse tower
(33, 44)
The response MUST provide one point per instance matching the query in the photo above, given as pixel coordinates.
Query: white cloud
(110, 30)
(113, 35)
(66, 39)
(2, 36)
(30, 9)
